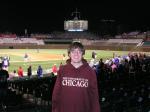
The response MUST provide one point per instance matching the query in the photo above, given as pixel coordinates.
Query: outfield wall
(65, 46)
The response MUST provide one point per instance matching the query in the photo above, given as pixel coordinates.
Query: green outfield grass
(16, 57)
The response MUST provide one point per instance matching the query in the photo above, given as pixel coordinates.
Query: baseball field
(47, 57)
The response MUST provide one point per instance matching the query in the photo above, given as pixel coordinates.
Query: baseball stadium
(120, 90)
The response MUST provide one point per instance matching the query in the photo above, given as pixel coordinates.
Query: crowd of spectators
(119, 66)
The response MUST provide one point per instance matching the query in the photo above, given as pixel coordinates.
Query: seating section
(21, 41)
(130, 95)
(117, 94)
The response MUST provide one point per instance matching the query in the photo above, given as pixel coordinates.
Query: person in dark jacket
(76, 87)
(39, 71)
(29, 71)
(3, 86)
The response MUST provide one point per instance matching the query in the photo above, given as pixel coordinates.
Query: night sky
(48, 16)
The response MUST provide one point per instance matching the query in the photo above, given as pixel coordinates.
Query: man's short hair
(76, 45)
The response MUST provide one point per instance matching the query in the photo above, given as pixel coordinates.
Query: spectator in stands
(39, 71)
(29, 71)
(14, 72)
(54, 69)
(94, 55)
(92, 63)
(3, 86)
(100, 68)
(20, 72)
(64, 56)
(113, 67)
(75, 88)
(12, 75)
(5, 63)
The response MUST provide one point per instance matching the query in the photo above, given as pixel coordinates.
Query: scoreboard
(76, 25)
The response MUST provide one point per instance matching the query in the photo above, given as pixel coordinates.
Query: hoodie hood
(84, 61)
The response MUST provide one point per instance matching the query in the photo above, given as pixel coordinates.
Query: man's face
(76, 55)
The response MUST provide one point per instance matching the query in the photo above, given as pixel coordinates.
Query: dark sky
(47, 16)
